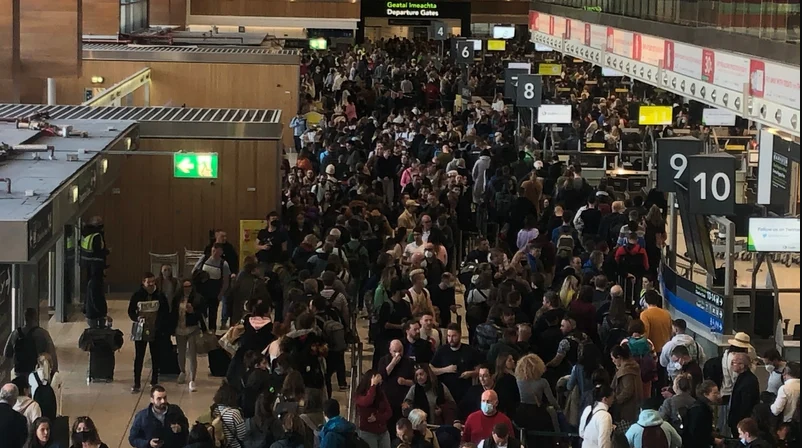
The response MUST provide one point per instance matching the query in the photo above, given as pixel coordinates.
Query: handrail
(121, 89)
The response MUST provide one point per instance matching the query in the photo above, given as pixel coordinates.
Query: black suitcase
(60, 431)
(219, 360)
(101, 365)
(169, 360)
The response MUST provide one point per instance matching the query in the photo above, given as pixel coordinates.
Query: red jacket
(635, 250)
(375, 403)
(478, 426)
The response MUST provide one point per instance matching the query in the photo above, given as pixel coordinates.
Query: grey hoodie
(479, 175)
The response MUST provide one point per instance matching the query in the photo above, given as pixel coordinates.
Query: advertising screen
(554, 114)
(477, 44)
(655, 115)
(503, 32)
(718, 117)
(773, 235)
(608, 72)
(543, 48)
(549, 69)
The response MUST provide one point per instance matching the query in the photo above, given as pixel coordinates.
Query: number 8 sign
(464, 52)
(712, 184)
(529, 91)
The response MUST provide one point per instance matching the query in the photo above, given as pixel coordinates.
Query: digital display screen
(718, 117)
(608, 72)
(655, 115)
(773, 235)
(503, 32)
(496, 45)
(701, 304)
(542, 48)
(477, 44)
(554, 114)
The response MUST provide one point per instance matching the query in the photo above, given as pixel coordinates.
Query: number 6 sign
(712, 184)
(464, 52)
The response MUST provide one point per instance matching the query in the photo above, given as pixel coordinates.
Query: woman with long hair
(41, 435)
(292, 395)
(225, 406)
(257, 337)
(506, 385)
(45, 373)
(627, 384)
(187, 321)
(263, 426)
(255, 381)
(582, 373)
(84, 434)
(596, 422)
(569, 290)
(584, 312)
(373, 409)
(428, 394)
(655, 237)
(294, 432)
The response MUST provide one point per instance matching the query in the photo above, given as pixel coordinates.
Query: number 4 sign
(712, 184)
(437, 31)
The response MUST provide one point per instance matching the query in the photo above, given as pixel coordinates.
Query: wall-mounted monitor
(655, 115)
(773, 235)
(477, 44)
(496, 45)
(554, 114)
(543, 48)
(503, 32)
(608, 72)
(718, 117)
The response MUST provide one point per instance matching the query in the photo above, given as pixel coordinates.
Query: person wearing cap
(407, 219)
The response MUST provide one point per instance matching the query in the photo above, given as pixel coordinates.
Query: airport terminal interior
(466, 221)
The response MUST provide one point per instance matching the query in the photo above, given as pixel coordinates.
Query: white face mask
(770, 368)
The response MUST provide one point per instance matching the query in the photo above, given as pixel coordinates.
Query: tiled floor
(112, 406)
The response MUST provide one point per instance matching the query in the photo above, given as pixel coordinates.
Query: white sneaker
(182, 378)
(192, 387)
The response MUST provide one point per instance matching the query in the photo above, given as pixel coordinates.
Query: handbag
(230, 341)
(205, 342)
(138, 330)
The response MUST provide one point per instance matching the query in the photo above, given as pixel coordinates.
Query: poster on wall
(248, 230)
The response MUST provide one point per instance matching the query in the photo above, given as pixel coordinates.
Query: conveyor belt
(141, 114)
(187, 49)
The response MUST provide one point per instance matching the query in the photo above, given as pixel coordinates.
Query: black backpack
(45, 396)
(357, 257)
(25, 352)
(352, 440)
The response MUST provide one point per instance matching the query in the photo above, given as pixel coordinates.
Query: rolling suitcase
(101, 365)
(169, 360)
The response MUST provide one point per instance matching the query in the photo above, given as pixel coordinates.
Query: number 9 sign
(672, 161)
(464, 52)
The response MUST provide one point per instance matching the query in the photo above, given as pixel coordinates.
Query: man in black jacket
(13, 425)
(149, 308)
(745, 392)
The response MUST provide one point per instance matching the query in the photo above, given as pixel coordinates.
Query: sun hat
(741, 340)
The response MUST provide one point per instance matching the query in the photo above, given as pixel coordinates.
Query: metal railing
(767, 19)
(114, 94)
(356, 374)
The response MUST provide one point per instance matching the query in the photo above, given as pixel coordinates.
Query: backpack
(714, 371)
(357, 257)
(487, 334)
(565, 245)
(631, 264)
(648, 367)
(45, 396)
(334, 331)
(352, 440)
(26, 354)
(653, 437)
(503, 202)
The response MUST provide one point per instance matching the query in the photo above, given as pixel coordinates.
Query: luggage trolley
(157, 260)
(191, 258)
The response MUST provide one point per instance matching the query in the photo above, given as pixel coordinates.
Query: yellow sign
(655, 115)
(591, 82)
(248, 230)
(496, 45)
(621, 90)
(563, 89)
(578, 61)
(549, 69)
(595, 145)
(734, 147)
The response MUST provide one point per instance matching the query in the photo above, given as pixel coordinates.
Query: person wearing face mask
(160, 425)
(272, 239)
(418, 296)
(150, 311)
(479, 425)
(775, 365)
(85, 434)
(787, 400)
(749, 434)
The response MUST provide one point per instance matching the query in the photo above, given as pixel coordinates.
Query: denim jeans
(375, 440)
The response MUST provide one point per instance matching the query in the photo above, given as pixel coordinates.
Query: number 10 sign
(712, 184)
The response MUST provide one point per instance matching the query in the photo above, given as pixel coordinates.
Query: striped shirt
(234, 427)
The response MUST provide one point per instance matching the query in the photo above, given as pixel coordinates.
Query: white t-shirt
(217, 269)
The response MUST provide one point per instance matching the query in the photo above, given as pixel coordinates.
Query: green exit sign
(195, 165)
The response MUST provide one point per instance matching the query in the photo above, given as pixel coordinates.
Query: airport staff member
(93, 260)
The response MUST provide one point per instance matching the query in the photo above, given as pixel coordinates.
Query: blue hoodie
(334, 433)
(647, 419)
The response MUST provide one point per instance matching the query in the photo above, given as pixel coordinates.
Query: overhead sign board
(554, 114)
(438, 31)
(672, 161)
(412, 9)
(549, 69)
(718, 117)
(529, 91)
(655, 115)
(463, 52)
(712, 184)
(195, 165)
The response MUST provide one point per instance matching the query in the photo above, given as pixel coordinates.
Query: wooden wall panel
(50, 38)
(9, 38)
(101, 17)
(153, 212)
(168, 12)
(277, 8)
(199, 85)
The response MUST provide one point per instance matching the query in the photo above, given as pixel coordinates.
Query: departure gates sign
(195, 165)
(412, 9)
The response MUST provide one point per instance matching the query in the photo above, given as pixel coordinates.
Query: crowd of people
(399, 203)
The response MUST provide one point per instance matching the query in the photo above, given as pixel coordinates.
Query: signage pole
(672, 234)
(532, 128)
